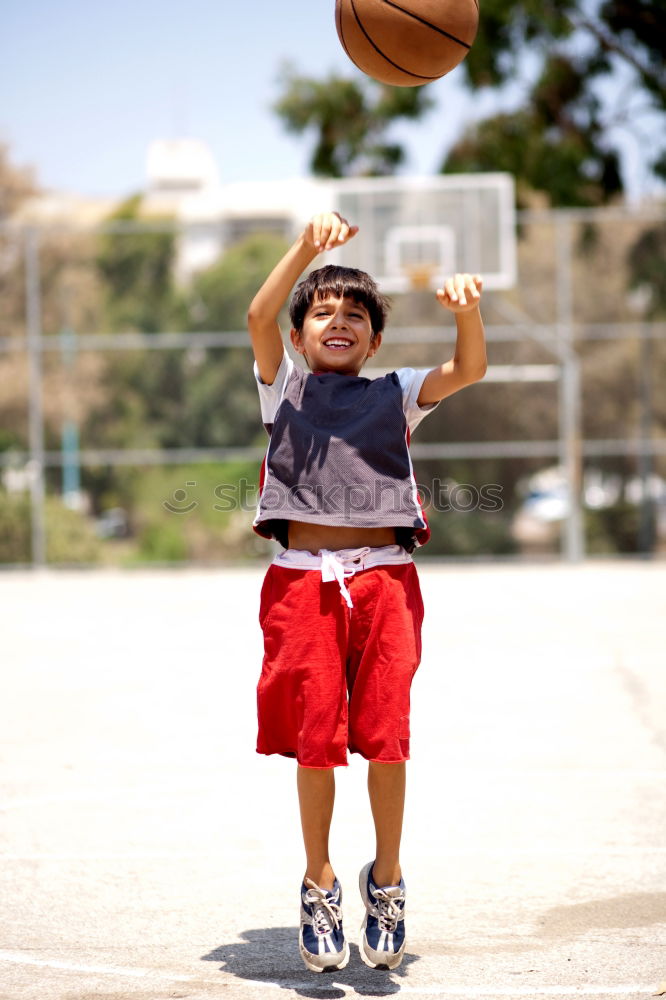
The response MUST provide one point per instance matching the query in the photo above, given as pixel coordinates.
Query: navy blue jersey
(339, 452)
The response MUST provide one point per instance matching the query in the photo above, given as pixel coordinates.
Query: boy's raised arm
(323, 232)
(461, 294)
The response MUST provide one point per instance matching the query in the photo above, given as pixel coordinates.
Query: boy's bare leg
(316, 795)
(386, 787)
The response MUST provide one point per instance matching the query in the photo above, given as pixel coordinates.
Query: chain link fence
(130, 430)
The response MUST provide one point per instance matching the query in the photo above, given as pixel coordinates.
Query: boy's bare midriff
(313, 537)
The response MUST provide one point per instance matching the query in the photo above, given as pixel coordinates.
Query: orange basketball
(406, 42)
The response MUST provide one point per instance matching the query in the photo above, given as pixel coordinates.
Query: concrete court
(147, 852)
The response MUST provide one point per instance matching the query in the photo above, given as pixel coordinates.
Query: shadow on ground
(638, 909)
(270, 955)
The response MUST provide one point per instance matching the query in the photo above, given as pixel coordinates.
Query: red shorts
(335, 677)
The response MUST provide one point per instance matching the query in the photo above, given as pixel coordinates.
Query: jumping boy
(341, 608)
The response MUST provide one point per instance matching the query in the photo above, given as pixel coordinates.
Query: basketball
(406, 43)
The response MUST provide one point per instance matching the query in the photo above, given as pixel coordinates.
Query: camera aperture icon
(180, 498)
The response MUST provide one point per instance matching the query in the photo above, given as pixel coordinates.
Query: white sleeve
(411, 380)
(270, 396)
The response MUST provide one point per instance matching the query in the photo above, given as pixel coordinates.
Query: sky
(85, 87)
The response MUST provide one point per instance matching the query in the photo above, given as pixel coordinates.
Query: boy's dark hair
(343, 282)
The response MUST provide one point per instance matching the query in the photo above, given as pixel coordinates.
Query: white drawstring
(335, 568)
(343, 563)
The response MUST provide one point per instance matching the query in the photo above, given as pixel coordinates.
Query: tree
(137, 269)
(144, 391)
(351, 119)
(68, 297)
(180, 398)
(16, 184)
(646, 269)
(221, 295)
(220, 392)
(588, 69)
(561, 140)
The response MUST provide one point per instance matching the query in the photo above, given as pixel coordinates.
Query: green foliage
(565, 163)
(555, 144)
(506, 29)
(197, 513)
(9, 439)
(629, 30)
(174, 400)
(350, 118)
(614, 530)
(192, 398)
(220, 296)
(14, 528)
(558, 142)
(646, 268)
(70, 536)
(16, 183)
(640, 28)
(161, 543)
(136, 269)
(218, 398)
(659, 165)
(469, 533)
(467, 503)
(220, 405)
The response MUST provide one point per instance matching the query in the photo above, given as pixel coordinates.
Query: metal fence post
(646, 524)
(35, 414)
(69, 437)
(573, 542)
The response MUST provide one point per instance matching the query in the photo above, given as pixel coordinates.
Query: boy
(341, 608)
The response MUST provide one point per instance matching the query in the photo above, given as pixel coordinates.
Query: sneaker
(383, 929)
(321, 940)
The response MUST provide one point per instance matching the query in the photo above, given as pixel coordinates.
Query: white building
(183, 183)
(412, 229)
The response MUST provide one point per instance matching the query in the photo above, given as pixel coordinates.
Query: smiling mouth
(338, 343)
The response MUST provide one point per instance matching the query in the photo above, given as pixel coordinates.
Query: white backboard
(414, 231)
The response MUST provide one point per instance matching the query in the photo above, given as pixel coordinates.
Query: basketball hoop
(420, 276)
(415, 231)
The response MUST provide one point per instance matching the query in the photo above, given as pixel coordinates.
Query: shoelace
(388, 910)
(326, 916)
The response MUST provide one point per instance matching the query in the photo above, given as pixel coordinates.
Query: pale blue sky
(85, 87)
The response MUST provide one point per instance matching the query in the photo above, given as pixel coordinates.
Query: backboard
(415, 231)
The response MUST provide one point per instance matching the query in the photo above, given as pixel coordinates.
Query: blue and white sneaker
(383, 929)
(321, 940)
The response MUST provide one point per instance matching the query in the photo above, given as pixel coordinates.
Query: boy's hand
(461, 293)
(328, 230)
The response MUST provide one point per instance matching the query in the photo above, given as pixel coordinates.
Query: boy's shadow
(270, 955)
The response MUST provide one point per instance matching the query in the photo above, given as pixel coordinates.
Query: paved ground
(147, 852)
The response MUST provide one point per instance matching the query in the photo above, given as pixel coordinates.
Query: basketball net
(420, 275)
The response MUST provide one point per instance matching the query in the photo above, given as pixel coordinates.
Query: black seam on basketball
(407, 72)
(428, 24)
(341, 30)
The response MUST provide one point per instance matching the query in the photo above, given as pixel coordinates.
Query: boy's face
(336, 336)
